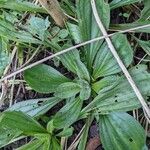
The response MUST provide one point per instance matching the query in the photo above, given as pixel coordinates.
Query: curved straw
(67, 50)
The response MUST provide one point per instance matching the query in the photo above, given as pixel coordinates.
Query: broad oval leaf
(105, 64)
(35, 107)
(120, 131)
(67, 90)
(44, 79)
(20, 121)
(88, 26)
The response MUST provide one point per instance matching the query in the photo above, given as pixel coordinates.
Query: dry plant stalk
(67, 50)
(54, 9)
(93, 143)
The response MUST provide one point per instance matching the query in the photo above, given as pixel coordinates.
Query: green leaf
(50, 127)
(67, 90)
(127, 26)
(70, 89)
(116, 97)
(105, 84)
(72, 109)
(13, 17)
(44, 79)
(89, 28)
(38, 26)
(68, 7)
(7, 134)
(4, 57)
(120, 131)
(54, 145)
(21, 6)
(8, 31)
(74, 32)
(49, 142)
(20, 121)
(85, 91)
(84, 136)
(63, 33)
(105, 64)
(145, 45)
(70, 58)
(119, 3)
(23, 36)
(82, 71)
(35, 107)
(66, 132)
(41, 141)
(33, 145)
(145, 14)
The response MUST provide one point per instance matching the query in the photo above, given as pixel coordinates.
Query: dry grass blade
(120, 63)
(67, 50)
(4, 84)
(54, 9)
(93, 143)
(76, 141)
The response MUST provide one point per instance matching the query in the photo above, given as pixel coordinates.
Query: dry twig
(67, 50)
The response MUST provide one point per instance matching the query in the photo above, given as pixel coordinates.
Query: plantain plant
(97, 91)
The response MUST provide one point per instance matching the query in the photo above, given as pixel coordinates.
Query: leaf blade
(116, 97)
(67, 90)
(89, 28)
(119, 3)
(121, 131)
(105, 64)
(20, 121)
(44, 79)
(61, 119)
(35, 107)
(4, 56)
